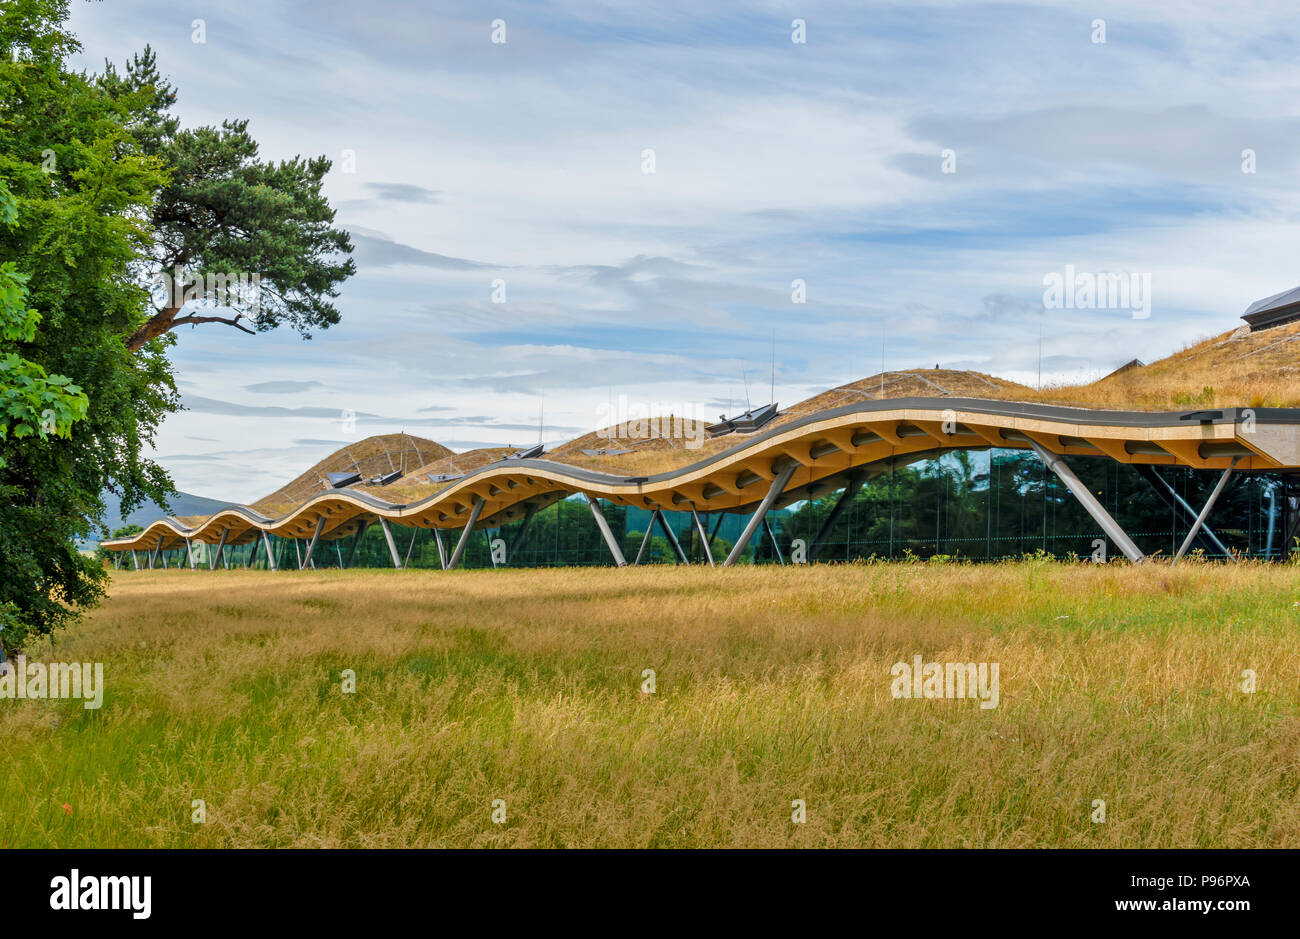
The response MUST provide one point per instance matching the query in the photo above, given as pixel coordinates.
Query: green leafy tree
(79, 407)
(225, 212)
(31, 402)
(105, 190)
(124, 531)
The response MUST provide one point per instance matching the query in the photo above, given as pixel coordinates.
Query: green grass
(1117, 683)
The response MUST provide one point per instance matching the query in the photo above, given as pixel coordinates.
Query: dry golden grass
(1260, 369)
(1117, 683)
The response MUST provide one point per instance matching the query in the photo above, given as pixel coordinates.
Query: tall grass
(773, 684)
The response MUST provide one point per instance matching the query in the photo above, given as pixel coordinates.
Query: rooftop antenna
(745, 375)
(882, 361)
(1040, 351)
(772, 392)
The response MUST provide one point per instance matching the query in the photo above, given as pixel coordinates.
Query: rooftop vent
(1277, 310)
(340, 480)
(745, 423)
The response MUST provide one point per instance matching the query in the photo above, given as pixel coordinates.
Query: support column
(1209, 504)
(135, 560)
(714, 534)
(518, 538)
(464, 535)
(189, 552)
(219, 556)
(705, 539)
(1176, 502)
(252, 554)
(442, 552)
(1089, 502)
(778, 486)
(851, 488)
(392, 545)
(680, 555)
(117, 560)
(775, 546)
(356, 542)
(409, 548)
(311, 545)
(649, 530)
(270, 555)
(603, 525)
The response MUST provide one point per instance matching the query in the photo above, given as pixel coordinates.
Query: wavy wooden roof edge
(825, 445)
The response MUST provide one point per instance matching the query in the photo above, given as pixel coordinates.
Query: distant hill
(183, 503)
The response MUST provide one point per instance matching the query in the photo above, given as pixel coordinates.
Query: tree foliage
(102, 188)
(80, 406)
(225, 212)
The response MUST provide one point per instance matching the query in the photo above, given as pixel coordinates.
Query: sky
(833, 187)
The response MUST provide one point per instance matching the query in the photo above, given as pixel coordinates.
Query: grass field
(772, 685)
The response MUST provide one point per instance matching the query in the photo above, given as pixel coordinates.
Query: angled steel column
(189, 552)
(1176, 502)
(778, 485)
(135, 560)
(1209, 504)
(339, 552)
(252, 554)
(679, 554)
(851, 487)
(464, 535)
(297, 553)
(352, 551)
(392, 545)
(311, 545)
(649, 530)
(518, 538)
(220, 555)
(775, 546)
(151, 554)
(117, 560)
(409, 548)
(270, 555)
(442, 552)
(603, 525)
(714, 534)
(705, 539)
(1089, 502)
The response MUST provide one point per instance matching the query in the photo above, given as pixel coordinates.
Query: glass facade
(976, 505)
